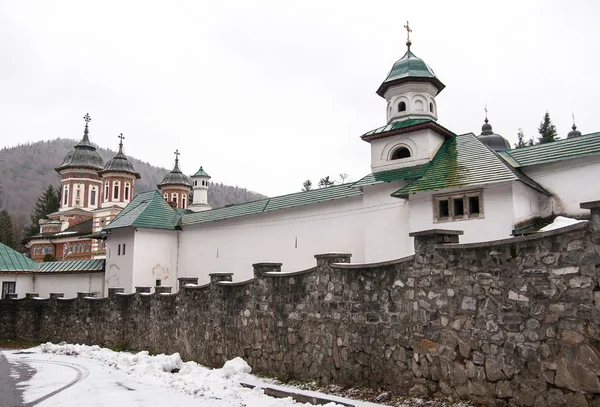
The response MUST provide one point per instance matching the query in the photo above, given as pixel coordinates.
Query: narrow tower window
(402, 107)
(106, 189)
(126, 196)
(401, 152)
(431, 107)
(183, 201)
(93, 196)
(65, 195)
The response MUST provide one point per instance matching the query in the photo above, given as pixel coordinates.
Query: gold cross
(408, 31)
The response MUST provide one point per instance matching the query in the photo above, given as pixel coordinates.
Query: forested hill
(27, 169)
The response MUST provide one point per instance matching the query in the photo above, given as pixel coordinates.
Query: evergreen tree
(307, 186)
(49, 257)
(325, 182)
(47, 203)
(520, 139)
(6, 229)
(547, 130)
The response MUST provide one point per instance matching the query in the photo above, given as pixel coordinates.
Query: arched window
(65, 195)
(402, 106)
(106, 189)
(400, 153)
(116, 188)
(431, 107)
(183, 201)
(127, 186)
(419, 106)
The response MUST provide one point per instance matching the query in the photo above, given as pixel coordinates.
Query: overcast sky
(265, 94)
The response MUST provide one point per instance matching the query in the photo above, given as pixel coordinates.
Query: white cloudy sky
(265, 94)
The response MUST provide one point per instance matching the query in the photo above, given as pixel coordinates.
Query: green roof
(201, 173)
(71, 266)
(575, 147)
(12, 260)
(396, 126)
(464, 161)
(271, 204)
(409, 67)
(403, 173)
(146, 210)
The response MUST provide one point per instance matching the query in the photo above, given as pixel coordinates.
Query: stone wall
(511, 322)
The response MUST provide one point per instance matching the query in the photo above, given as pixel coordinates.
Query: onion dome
(494, 141)
(84, 154)
(120, 163)
(410, 68)
(176, 177)
(574, 132)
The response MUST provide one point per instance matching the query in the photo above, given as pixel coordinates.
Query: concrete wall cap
(590, 205)
(431, 232)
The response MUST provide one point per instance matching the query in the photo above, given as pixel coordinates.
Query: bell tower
(200, 188)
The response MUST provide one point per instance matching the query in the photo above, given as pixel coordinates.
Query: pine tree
(6, 229)
(307, 185)
(520, 139)
(325, 182)
(547, 130)
(48, 202)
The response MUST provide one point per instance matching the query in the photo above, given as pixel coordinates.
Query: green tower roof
(201, 173)
(410, 68)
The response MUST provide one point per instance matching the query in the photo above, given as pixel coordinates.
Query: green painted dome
(201, 173)
(84, 155)
(410, 68)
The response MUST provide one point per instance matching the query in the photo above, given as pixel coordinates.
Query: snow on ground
(109, 378)
(560, 222)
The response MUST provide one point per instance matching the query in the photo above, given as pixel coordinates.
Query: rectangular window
(157, 283)
(123, 249)
(119, 250)
(444, 208)
(65, 195)
(8, 287)
(116, 192)
(126, 195)
(93, 197)
(106, 189)
(458, 206)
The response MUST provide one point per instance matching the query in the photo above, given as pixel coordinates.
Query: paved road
(10, 394)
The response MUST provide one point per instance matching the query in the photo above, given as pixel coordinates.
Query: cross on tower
(485, 108)
(87, 118)
(408, 31)
(121, 137)
(177, 153)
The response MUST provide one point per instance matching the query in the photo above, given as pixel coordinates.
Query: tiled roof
(396, 126)
(271, 204)
(575, 147)
(463, 161)
(72, 266)
(392, 175)
(12, 260)
(80, 229)
(146, 210)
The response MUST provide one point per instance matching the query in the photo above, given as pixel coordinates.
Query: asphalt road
(10, 394)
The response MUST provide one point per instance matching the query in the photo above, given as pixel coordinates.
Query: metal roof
(396, 126)
(84, 155)
(201, 173)
(12, 260)
(464, 161)
(410, 67)
(566, 149)
(71, 266)
(146, 210)
(120, 163)
(81, 229)
(403, 173)
(271, 204)
(176, 177)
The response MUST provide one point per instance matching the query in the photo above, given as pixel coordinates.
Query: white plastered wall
(422, 144)
(290, 236)
(155, 258)
(24, 282)
(497, 222)
(527, 203)
(119, 268)
(386, 223)
(570, 181)
(69, 284)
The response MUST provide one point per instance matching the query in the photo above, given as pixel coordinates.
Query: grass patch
(17, 344)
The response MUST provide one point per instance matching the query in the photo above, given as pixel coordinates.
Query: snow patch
(561, 222)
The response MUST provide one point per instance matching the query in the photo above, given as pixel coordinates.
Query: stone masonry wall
(511, 322)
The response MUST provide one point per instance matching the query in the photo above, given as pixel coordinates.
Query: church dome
(84, 154)
(410, 68)
(494, 141)
(176, 177)
(574, 132)
(120, 163)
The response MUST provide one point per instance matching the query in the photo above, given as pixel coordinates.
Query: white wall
(155, 258)
(497, 222)
(528, 203)
(119, 268)
(289, 236)
(571, 181)
(422, 144)
(24, 282)
(386, 223)
(69, 283)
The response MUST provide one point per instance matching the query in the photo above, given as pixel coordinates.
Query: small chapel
(423, 176)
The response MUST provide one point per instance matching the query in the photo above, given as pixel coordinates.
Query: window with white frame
(183, 201)
(65, 195)
(116, 188)
(106, 189)
(8, 287)
(174, 197)
(458, 206)
(127, 187)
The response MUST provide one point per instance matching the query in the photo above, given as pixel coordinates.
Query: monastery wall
(512, 322)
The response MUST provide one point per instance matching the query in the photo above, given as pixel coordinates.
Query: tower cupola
(176, 186)
(410, 88)
(574, 132)
(118, 177)
(79, 171)
(494, 141)
(200, 187)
